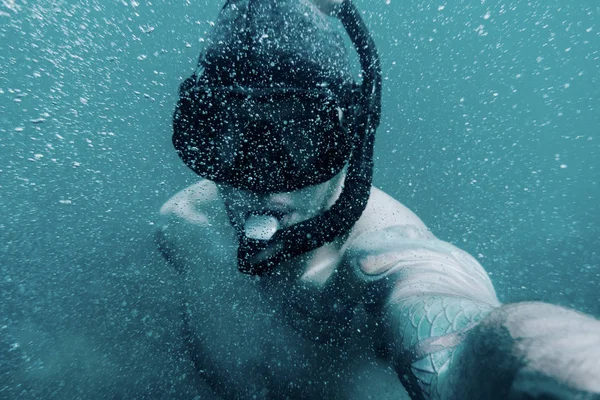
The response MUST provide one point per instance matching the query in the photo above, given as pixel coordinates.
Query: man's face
(289, 208)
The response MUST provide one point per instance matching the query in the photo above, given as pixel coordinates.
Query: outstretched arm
(448, 337)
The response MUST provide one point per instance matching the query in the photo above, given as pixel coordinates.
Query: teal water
(490, 134)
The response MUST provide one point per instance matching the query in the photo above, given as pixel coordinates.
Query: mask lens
(264, 140)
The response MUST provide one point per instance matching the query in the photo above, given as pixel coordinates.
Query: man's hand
(327, 6)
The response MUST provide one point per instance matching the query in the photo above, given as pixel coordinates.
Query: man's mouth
(283, 215)
(278, 214)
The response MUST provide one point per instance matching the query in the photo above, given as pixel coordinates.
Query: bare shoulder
(383, 211)
(197, 204)
(392, 241)
(193, 225)
(385, 227)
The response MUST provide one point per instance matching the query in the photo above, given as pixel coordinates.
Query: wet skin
(385, 310)
(304, 331)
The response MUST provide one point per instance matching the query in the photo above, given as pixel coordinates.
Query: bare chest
(278, 337)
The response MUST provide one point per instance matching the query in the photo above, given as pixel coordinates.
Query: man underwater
(303, 281)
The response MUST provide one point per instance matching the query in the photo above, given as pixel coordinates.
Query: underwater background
(490, 133)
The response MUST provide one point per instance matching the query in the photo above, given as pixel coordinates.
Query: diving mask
(262, 140)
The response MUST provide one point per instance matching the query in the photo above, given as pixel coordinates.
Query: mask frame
(264, 140)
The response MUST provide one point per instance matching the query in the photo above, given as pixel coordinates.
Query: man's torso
(303, 331)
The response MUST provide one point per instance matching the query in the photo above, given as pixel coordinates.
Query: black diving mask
(265, 140)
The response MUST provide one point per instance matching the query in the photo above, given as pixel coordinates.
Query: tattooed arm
(448, 337)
